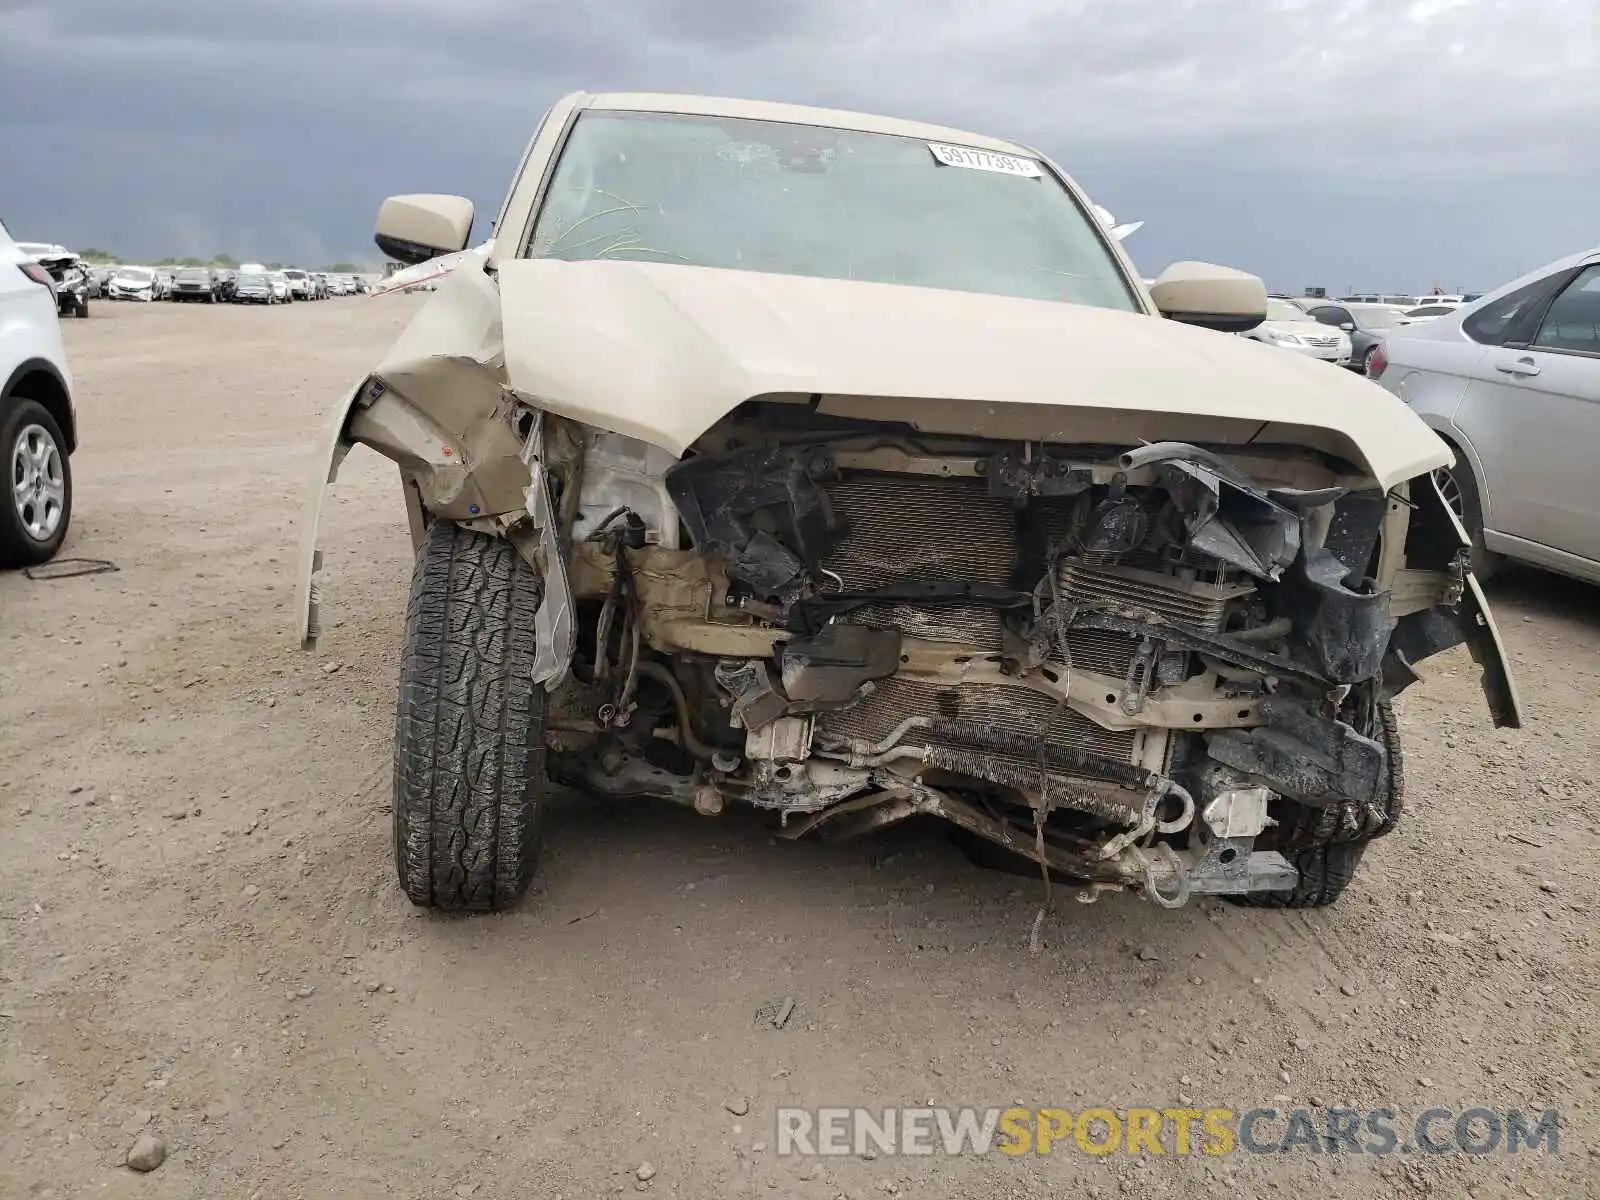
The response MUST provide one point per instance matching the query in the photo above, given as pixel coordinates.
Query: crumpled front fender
(437, 406)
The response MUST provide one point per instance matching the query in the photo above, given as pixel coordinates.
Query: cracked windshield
(807, 200)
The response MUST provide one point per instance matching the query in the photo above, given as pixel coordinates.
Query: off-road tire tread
(469, 769)
(1302, 827)
(1325, 844)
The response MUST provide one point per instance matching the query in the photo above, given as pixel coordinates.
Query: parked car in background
(72, 285)
(1396, 300)
(98, 278)
(226, 279)
(300, 284)
(132, 283)
(69, 276)
(1291, 328)
(319, 285)
(281, 287)
(1365, 324)
(1425, 312)
(194, 285)
(163, 282)
(1512, 383)
(38, 424)
(254, 287)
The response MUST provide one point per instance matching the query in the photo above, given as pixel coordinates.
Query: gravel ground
(201, 939)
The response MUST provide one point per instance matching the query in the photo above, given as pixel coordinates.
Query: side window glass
(1326, 315)
(1494, 323)
(1573, 322)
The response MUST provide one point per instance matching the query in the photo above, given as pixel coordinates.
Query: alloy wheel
(1450, 489)
(38, 482)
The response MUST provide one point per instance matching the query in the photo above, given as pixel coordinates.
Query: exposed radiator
(1197, 603)
(920, 527)
(930, 528)
(923, 528)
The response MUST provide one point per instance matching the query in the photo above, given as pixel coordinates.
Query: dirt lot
(201, 937)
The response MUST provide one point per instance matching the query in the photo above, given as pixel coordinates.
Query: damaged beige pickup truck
(844, 467)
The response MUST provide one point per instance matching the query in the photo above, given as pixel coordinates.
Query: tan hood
(661, 352)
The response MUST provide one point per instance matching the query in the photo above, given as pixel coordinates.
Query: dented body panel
(662, 352)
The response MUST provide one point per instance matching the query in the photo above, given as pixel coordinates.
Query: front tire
(1325, 845)
(36, 503)
(469, 758)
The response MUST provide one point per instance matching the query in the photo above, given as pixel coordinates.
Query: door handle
(1522, 366)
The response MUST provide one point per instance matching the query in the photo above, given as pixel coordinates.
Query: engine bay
(1127, 665)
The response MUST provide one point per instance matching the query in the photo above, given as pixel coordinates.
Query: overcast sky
(1370, 143)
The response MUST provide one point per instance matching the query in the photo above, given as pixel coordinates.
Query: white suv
(38, 426)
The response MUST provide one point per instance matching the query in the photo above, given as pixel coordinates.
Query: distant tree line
(96, 255)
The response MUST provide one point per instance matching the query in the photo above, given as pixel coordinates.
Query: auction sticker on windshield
(984, 160)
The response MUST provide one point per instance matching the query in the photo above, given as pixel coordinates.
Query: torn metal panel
(1435, 540)
(442, 408)
(553, 622)
(762, 512)
(1303, 756)
(1231, 521)
(1344, 632)
(331, 451)
(829, 670)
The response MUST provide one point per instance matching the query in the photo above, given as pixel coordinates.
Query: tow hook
(1152, 891)
(1460, 566)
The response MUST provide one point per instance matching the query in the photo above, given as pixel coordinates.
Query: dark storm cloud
(1385, 143)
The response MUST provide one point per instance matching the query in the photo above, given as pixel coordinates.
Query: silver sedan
(1512, 383)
